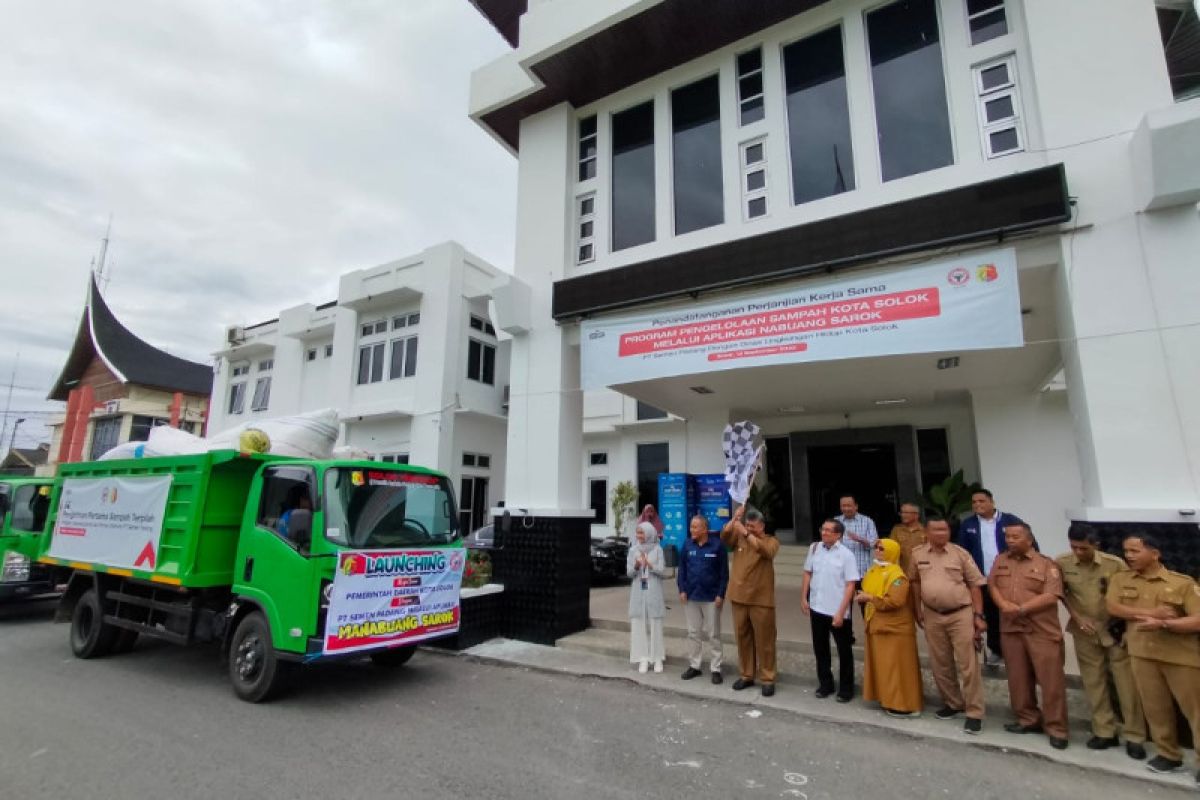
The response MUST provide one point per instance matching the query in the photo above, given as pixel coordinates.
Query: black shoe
(891, 712)
(946, 712)
(689, 673)
(1016, 727)
(1102, 742)
(1058, 744)
(768, 689)
(742, 683)
(973, 726)
(1135, 750)
(1160, 764)
(717, 677)
(845, 698)
(823, 693)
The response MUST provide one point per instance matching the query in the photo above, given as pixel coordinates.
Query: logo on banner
(959, 276)
(354, 565)
(986, 273)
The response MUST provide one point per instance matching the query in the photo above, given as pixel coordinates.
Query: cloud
(249, 153)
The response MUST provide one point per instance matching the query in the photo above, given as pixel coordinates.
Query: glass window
(750, 87)
(647, 411)
(696, 155)
(404, 358)
(414, 318)
(986, 20)
(370, 363)
(598, 492)
(237, 397)
(265, 365)
(311, 355)
(1180, 30)
(481, 362)
(388, 507)
(999, 108)
(818, 117)
(754, 180)
(30, 505)
(633, 176)
(399, 322)
(585, 220)
(140, 426)
(598, 459)
(587, 148)
(328, 350)
(262, 394)
(106, 432)
(468, 459)
(652, 459)
(911, 115)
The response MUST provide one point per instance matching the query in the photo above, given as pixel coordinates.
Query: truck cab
(24, 509)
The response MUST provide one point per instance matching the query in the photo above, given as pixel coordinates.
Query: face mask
(880, 563)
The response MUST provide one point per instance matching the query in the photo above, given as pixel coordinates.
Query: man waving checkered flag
(741, 458)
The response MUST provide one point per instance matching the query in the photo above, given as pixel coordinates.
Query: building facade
(712, 161)
(408, 357)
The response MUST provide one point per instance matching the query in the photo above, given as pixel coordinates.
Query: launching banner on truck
(969, 302)
(388, 597)
(111, 521)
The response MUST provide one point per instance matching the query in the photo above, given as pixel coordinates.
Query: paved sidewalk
(795, 696)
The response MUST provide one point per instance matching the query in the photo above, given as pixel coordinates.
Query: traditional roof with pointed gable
(131, 360)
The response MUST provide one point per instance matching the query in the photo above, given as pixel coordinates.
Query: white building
(1035, 166)
(407, 355)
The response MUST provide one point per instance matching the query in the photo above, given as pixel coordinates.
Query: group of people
(992, 596)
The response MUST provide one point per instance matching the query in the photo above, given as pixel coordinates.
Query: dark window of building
(140, 427)
(404, 358)
(986, 19)
(598, 459)
(262, 394)
(933, 453)
(105, 433)
(913, 123)
(473, 503)
(1180, 30)
(587, 148)
(481, 362)
(696, 155)
(370, 363)
(750, 86)
(651, 460)
(633, 176)
(599, 500)
(647, 411)
(237, 397)
(818, 117)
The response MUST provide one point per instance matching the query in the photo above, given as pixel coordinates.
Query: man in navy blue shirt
(982, 535)
(702, 577)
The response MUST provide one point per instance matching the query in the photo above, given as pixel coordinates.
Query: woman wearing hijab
(646, 607)
(893, 673)
(651, 516)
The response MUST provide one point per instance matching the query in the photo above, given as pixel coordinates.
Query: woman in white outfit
(646, 607)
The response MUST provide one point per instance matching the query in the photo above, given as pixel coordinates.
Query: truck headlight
(16, 568)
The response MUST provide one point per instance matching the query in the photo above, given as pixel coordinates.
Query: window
(587, 148)
(754, 179)
(266, 365)
(696, 156)
(311, 355)
(647, 411)
(911, 115)
(818, 115)
(999, 108)
(652, 459)
(750, 87)
(105, 433)
(372, 328)
(473, 503)
(933, 454)
(479, 460)
(481, 362)
(986, 20)
(585, 221)
(633, 176)
(285, 490)
(481, 324)
(392, 458)
(405, 320)
(140, 427)
(30, 505)
(237, 397)
(404, 358)
(241, 369)
(262, 394)
(370, 363)
(598, 491)
(598, 459)
(1180, 29)
(328, 351)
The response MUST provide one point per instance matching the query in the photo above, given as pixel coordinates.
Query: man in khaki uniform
(1027, 586)
(1087, 573)
(949, 606)
(1166, 658)
(751, 590)
(908, 533)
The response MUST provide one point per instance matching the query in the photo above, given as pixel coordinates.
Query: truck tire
(91, 636)
(255, 671)
(393, 657)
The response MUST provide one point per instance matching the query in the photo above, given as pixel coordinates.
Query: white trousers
(704, 634)
(645, 639)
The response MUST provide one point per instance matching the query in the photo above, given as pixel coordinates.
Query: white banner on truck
(969, 302)
(111, 521)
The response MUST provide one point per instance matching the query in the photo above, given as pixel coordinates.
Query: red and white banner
(970, 302)
(115, 522)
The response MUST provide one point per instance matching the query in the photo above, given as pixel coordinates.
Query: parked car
(608, 558)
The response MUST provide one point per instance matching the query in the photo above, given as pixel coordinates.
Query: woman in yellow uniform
(893, 673)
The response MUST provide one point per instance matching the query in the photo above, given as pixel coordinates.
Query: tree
(624, 501)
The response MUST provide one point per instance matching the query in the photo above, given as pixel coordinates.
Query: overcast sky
(249, 152)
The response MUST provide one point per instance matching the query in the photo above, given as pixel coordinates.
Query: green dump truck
(24, 507)
(282, 561)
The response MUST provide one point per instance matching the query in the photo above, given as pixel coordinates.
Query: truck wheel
(256, 673)
(393, 657)
(91, 636)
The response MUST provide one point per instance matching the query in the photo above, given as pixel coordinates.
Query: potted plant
(624, 502)
(950, 499)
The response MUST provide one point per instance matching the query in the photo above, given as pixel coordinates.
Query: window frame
(582, 161)
(237, 398)
(581, 219)
(983, 96)
(739, 76)
(480, 368)
(601, 511)
(261, 399)
(598, 458)
(744, 171)
(997, 5)
(408, 360)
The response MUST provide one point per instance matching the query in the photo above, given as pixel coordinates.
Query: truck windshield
(388, 508)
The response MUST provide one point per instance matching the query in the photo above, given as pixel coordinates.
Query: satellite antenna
(102, 271)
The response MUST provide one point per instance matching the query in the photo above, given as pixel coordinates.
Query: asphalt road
(162, 722)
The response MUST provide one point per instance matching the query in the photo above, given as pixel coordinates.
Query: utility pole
(8, 403)
(102, 277)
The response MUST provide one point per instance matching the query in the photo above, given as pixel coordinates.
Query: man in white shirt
(982, 535)
(830, 577)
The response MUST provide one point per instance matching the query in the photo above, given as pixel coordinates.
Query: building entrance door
(876, 465)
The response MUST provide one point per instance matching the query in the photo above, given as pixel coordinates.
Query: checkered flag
(741, 458)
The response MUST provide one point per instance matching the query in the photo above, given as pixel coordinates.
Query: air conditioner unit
(235, 334)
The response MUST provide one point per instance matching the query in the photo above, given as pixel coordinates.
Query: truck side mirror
(300, 527)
